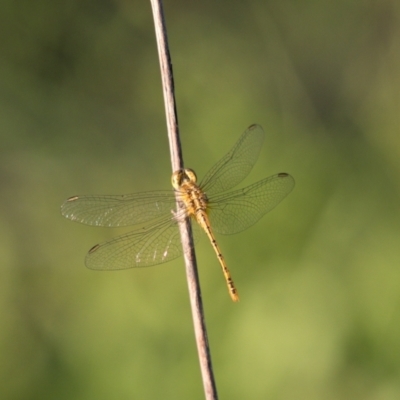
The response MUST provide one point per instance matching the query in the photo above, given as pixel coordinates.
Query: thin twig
(185, 229)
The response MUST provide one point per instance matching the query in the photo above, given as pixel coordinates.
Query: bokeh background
(81, 112)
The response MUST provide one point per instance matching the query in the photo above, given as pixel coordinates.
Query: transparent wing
(236, 211)
(237, 164)
(157, 244)
(124, 210)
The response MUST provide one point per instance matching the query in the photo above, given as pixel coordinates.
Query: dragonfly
(210, 205)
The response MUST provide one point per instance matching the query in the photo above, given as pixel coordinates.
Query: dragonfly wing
(157, 244)
(121, 210)
(236, 211)
(237, 164)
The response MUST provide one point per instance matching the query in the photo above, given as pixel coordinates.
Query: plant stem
(184, 226)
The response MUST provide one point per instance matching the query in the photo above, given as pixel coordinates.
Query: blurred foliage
(82, 112)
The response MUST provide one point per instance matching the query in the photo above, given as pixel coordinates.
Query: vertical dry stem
(186, 234)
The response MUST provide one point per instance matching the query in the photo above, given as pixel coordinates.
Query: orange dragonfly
(156, 239)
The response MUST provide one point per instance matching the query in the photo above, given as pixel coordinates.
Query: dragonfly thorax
(194, 199)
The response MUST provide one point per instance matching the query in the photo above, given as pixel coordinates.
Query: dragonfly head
(183, 176)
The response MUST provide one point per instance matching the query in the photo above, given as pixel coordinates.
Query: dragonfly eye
(183, 176)
(190, 175)
(176, 179)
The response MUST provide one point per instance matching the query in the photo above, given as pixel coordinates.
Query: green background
(81, 112)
